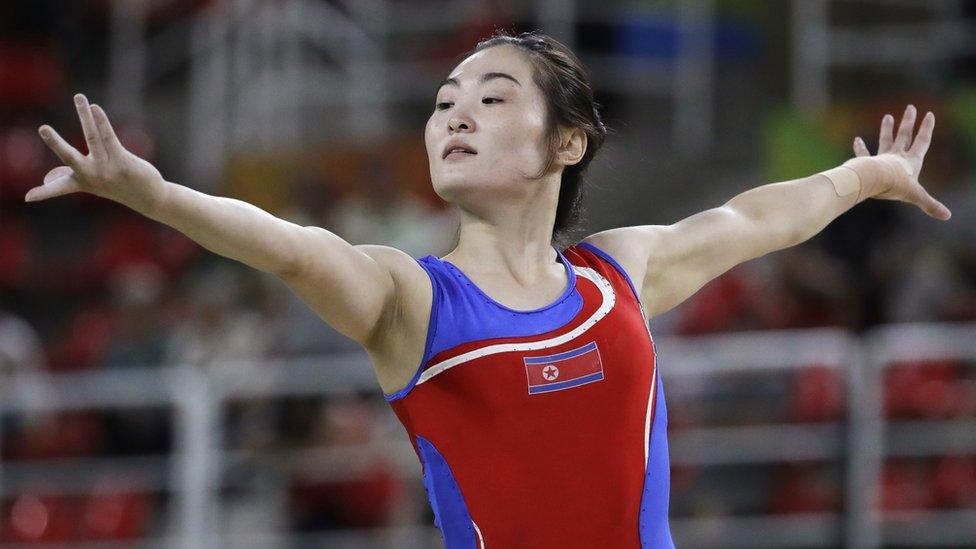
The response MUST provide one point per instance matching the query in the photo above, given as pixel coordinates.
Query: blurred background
(153, 394)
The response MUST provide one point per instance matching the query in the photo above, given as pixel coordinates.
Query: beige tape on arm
(845, 180)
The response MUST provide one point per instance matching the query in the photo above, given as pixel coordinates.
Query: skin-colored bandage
(845, 180)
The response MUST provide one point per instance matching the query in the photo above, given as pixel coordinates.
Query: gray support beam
(557, 18)
(864, 451)
(811, 49)
(367, 86)
(127, 59)
(209, 91)
(196, 473)
(694, 78)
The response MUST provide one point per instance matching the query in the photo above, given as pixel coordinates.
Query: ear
(572, 145)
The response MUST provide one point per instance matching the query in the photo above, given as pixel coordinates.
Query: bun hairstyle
(565, 85)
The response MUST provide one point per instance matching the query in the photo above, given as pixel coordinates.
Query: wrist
(156, 205)
(879, 173)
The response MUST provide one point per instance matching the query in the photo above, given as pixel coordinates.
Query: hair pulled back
(565, 85)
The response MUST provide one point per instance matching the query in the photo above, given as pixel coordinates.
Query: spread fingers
(68, 154)
(92, 138)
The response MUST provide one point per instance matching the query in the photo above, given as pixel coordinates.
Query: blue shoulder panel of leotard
(462, 313)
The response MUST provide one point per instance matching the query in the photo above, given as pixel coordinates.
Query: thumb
(932, 207)
(57, 182)
(57, 172)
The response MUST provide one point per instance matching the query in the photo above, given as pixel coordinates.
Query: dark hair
(565, 85)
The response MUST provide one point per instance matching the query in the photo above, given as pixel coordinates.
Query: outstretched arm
(675, 261)
(342, 283)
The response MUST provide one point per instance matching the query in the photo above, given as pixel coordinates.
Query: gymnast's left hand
(906, 151)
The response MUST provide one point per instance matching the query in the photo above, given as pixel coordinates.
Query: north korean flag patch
(565, 370)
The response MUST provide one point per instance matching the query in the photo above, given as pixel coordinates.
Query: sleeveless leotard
(543, 428)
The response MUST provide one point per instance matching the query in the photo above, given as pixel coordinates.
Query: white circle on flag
(550, 372)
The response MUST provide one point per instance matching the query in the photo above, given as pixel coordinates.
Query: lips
(458, 153)
(460, 147)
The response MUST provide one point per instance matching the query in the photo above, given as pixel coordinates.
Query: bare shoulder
(398, 345)
(403, 267)
(629, 246)
(634, 248)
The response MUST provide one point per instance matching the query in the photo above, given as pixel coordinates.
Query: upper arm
(351, 287)
(672, 262)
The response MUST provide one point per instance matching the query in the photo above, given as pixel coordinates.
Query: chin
(456, 188)
(465, 189)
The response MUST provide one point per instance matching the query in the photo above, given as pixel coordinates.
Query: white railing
(858, 442)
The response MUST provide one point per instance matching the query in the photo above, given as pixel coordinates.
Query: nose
(458, 123)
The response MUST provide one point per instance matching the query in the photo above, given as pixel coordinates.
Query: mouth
(455, 150)
(457, 153)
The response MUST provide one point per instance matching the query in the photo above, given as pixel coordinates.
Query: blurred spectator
(18, 255)
(809, 289)
(218, 330)
(117, 509)
(954, 481)
(804, 488)
(481, 19)
(40, 519)
(365, 500)
(380, 212)
(721, 305)
(82, 344)
(924, 282)
(31, 73)
(57, 435)
(817, 394)
(931, 389)
(255, 495)
(20, 346)
(904, 485)
(22, 379)
(140, 336)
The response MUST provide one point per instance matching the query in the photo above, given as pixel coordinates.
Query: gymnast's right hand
(109, 170)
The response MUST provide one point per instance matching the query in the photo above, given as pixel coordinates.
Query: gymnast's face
(502, 119)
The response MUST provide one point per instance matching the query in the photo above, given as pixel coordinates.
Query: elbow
(286, 270)
(289, 266)
(289, 262)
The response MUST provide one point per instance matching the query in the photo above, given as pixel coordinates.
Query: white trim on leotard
(609, 298)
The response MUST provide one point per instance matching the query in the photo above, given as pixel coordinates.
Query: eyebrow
(484, 78)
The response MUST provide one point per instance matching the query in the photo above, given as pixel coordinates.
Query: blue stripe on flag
(565, 384)
(562, 356)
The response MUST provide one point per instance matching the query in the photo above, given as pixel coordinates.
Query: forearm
(790, 212)
(227, 226)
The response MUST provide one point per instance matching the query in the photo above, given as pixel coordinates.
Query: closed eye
(445, 104)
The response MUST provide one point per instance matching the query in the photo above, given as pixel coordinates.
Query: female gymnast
(524, 375)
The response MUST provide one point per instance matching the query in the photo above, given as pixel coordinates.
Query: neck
(514, 237)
